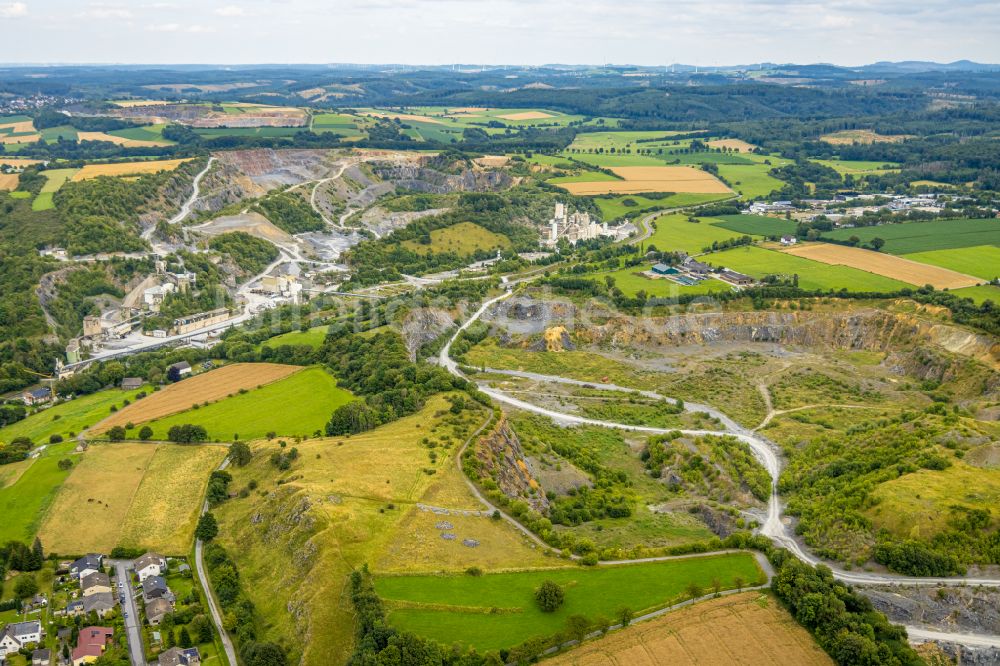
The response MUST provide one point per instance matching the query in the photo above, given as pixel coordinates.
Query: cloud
(199, 28)
(106, 12)
(230, 11)
(13, 10)
(164, 27)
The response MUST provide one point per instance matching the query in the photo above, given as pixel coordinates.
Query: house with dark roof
(696, 267)
(94, 583)
(41, 657)
(17, 635)
(176, 656)
(155, 587)
(735, 278)
(182, 368)
(87, 564)
(131, 383)
(38, 396)
(101, 603)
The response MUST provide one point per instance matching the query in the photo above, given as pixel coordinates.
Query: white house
(19, 634)
(150, 564)
(789, 240)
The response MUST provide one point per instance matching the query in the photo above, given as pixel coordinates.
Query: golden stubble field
(749, 629)
(888, 265)
(127, 168)
(136, 495)
(652, 179)
(738, 145)
(8, 181)
(207, 387)
(119, 140)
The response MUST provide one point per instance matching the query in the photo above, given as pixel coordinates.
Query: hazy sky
(498, 31)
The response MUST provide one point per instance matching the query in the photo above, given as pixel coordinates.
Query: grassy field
(463, 239)
(858, 167)
(912, 237)
(674, 232)
(630, 281)
(23, 503)
(881, 263)
(353, 502)
(755, 225)
(919, 505)
(615, 207)
(457, 608)
(68, 417)
(55, 178)
(297, 405)
(204, 387)
(979, 294)
(758, 262)
(144, 133)
(751, 181)
(138, 495)
(313, 337)
(748, 628)
(981, 260)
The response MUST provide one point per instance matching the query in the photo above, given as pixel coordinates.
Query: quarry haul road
(766, 453)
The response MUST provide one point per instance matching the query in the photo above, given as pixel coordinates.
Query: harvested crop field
(18, 162)
(847, 137)
(887, 265)
(527, 115)
(738, 145)
(145, 495)
(8, 181)
(403, 116)
(652, 179)
(119, 140)
(197, 390)
(747, 628)
(127, 168)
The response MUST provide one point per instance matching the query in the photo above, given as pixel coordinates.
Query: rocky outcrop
(951, 609)
(502, 459)
(424, 179)
(422, 325)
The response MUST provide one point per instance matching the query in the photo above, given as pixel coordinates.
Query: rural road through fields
(126, 595)
(213, 606)
(766, 453)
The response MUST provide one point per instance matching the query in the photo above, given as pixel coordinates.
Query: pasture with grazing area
(463, 239)
(634, 205)
(297, 405)
(137, 495)
(313, 337)
(69, 417)
(755, 225)
(205, 387)
(910, 237)
(458, 607)
(55, 178)
(747, 628)
(858, 167)
(752, 180)
(28, 492)
(979, 294)
(813, 275)
(674, 232)
(897, 268)
(127, 168)
(983, 261)
(119, 140)
(652, 179)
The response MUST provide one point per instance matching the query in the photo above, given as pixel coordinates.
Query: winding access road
(767, 454)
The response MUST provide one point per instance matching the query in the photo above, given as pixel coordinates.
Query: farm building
(735, 278)
(663, 269)
(38, 396)
(696, 267)
(131, 383)
(182, 368)
(789, 240)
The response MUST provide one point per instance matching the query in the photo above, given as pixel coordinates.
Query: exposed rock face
(422, 325)
(868, 329)
(954, 609)
(423, 179)
(502, 459)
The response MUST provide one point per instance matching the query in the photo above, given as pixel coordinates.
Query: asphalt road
(137, 654)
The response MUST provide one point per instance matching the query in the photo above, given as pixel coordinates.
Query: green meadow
(23, 501)
(750, 180)
(72, 416)
(56, 178)
(313, 337)
(982, 261)
(632, 205)
(758, 262)
(297, 405)
(912, 237)
(498, 610)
